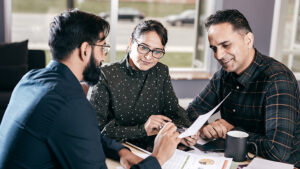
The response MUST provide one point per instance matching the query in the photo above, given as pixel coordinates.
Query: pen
(138, 148)
(225, 164)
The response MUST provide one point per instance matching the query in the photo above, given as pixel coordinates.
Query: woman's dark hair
(70, 29)
(150, 25)
(232, 16)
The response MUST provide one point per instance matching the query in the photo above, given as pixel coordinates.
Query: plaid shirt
(264, 102)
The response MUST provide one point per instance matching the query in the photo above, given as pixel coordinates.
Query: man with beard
(49, 123)
(264, 99)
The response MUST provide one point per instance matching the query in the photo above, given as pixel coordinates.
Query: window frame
(183, 73)
(5, 20)
(279, 18)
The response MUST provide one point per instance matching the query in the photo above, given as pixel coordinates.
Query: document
(259, 163)
(186, 160)
(193, 129)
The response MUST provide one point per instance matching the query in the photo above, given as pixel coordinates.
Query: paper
(186, 160)
(259, 163)
(201, 141)
(193, 129)
(189, 160)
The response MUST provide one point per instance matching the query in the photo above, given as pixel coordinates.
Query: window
(31, 19)
(187, 48)
(286, 34)
(177, 16)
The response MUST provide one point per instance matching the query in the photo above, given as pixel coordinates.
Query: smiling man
(264, 98)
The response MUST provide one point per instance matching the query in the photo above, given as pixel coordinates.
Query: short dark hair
(150, 25)
(232, 16)
(71, 28)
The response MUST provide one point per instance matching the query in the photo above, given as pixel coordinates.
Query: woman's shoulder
(160, 70)
(112, 68)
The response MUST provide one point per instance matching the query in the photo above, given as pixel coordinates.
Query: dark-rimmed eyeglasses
(105, 48)
(143, 49)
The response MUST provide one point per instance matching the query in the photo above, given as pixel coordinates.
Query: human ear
(128, 50)
(249, 39)
(85, 51)
(130, 44)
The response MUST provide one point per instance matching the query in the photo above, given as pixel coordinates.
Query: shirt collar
(65, 72)
(130, 70)
(249, 73)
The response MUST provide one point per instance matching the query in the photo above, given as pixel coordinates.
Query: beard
(92, 72)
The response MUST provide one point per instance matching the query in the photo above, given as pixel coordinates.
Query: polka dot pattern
(125, 98)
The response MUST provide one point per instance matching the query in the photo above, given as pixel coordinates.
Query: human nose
(103, 57)
(219, 54)
(148, 56)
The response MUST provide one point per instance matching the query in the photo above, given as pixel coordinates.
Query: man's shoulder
(44, 75)
(33, 98)
(273, 69)
(220, 74)
(50, 82)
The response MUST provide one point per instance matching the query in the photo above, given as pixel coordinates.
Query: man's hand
(165, 143)
(191, 141)
(127, 158)
(217, 129)
(155, 123)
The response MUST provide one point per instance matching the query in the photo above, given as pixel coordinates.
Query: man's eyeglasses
(143, 49)
(105, 48)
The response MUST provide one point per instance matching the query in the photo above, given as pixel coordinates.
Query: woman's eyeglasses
(143, 49)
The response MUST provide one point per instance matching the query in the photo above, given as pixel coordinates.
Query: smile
(146, 63)
(226, 61)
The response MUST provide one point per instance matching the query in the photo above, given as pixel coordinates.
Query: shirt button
(233, 110)
(237, 87)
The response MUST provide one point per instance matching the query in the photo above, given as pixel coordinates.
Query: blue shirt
(49, 123)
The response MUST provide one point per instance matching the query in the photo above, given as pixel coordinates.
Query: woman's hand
(155, 123)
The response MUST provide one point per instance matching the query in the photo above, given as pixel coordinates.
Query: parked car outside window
(125, 13)
(185, 17)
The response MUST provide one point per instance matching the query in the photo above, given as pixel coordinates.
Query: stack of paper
(185, 160)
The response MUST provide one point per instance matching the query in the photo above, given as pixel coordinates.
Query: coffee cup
(236, 146)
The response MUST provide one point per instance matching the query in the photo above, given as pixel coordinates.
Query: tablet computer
(217, 145)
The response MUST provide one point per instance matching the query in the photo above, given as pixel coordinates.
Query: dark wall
(191, 88)
(259, 14)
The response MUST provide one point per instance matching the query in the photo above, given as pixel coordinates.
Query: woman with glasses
(134, 97)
